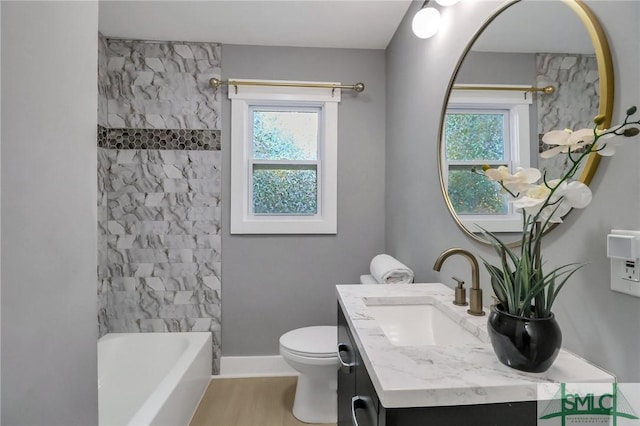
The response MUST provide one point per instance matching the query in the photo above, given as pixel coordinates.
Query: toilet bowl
(312, 352)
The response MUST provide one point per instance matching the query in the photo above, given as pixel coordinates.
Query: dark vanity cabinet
(357, 399)
(358, 403)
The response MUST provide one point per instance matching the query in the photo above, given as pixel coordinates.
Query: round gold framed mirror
(532, 67)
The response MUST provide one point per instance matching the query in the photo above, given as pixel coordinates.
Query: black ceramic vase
(526, 344)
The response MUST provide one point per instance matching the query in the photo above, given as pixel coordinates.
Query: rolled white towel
(388, 270)
(368, 279)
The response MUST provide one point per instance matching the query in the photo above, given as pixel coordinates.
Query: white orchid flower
(607, 144)
(533, 199)
(565, 197)
(545, 203)
(566, 140)
(520, 181)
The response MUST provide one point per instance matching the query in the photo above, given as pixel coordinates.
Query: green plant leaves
(518, 282)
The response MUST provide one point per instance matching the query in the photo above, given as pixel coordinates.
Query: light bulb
(447, 2)
(426, 22)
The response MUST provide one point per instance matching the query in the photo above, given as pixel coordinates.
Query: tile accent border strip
(166, 139)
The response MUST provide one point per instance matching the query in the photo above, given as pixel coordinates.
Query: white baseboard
(254, 366)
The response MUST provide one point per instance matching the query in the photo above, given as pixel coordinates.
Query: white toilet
(312, 352)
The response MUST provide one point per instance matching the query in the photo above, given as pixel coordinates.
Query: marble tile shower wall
(165, 85)
(577, 83)
(163, 241)
(159, 189)
(576, 80)
(103, 177)
(103, 81)
(103, 260)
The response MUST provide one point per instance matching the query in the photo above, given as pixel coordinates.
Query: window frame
(244, 99)
(518, 107)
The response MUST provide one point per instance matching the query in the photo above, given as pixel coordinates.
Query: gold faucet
(475, 298)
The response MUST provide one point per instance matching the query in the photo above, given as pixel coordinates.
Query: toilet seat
(311, 342)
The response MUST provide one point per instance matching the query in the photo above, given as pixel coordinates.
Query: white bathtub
(152, 378)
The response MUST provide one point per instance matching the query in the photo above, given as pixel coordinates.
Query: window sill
(511, 223)
(284, 225)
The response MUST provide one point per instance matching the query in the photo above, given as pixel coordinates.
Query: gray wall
(598, 324)
(272, 284)
(0, 226)
(49, 98)
(498, 68)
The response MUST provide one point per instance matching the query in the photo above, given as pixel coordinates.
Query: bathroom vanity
(410, 357)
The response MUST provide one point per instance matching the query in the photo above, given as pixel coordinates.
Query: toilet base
(316, 399)
(311, 351)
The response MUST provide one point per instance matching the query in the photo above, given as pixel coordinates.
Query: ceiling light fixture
(426, 21)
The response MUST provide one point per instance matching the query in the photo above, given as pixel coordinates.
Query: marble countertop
(423, 376)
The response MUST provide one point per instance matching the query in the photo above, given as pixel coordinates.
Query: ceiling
(551, 27)
(307, 23)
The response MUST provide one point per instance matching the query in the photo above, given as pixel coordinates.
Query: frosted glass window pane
(475, 136)
(285, 191)
(285, 135)
(471, 193)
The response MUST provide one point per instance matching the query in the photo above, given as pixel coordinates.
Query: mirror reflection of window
(484, 127)
(474, 138)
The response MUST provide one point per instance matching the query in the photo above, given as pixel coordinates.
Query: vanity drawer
(346, 371)
(499, 414)
(357, 400)
(366, 412)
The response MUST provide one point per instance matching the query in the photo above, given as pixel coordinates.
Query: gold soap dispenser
(460, 297)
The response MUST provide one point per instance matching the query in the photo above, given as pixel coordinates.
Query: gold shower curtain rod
(545, 90)
(216, 82)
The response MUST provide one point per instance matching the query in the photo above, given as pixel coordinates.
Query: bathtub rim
(150, 408)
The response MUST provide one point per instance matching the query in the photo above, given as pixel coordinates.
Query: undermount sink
(419, 325)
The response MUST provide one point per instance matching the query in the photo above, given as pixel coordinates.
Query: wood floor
(260, 401)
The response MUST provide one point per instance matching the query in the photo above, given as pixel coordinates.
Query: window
(284, 160)
(284, 164)
(484, 127)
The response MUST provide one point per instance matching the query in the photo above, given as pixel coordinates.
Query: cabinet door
(357, 400)
(362, 412)
(499, 414)
(364, 405)
(346, 372)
